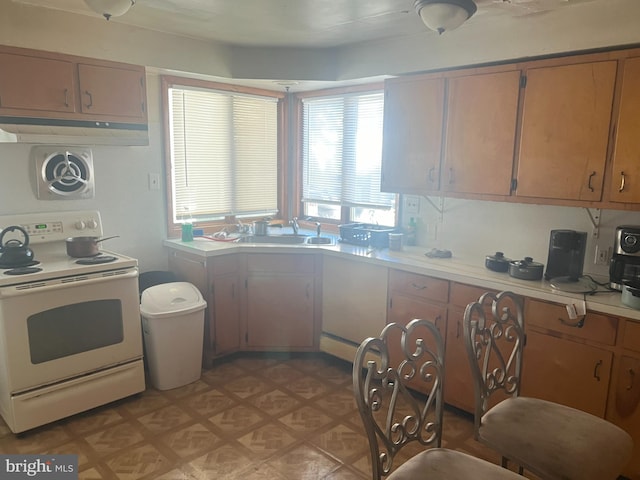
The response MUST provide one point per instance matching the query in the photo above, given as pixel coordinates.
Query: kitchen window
(223, 148)
(341, 154)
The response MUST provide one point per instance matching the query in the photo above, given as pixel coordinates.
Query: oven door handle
(61, 283)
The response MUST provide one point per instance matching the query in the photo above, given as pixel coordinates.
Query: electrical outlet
(411, 204)
(602, 256)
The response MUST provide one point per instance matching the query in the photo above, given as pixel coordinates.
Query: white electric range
(70, 335)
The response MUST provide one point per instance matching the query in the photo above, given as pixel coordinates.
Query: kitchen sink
(284, 239)
(320, 241)
(288, 239)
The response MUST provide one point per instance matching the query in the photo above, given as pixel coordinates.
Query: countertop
(413, 259)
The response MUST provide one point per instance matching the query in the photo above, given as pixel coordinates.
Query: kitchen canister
(395, 241)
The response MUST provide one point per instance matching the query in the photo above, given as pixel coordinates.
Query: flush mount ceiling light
(110, 8)
(444, 15)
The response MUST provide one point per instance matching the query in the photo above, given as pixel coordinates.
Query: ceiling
(299, 23)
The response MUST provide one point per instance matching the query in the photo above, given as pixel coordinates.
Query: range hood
(71, 132)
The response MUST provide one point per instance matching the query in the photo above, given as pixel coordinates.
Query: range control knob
(80, 225)
(92, 224)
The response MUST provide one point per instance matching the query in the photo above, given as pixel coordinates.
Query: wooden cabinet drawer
(419, 285)
(462, 295)
(596, 327)
(280, 263)
(223, 265)
(631, 339)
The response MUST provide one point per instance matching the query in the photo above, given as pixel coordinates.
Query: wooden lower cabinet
(225, 307)
(415, 296)
(566, 372)
(568, 361)
(458, 385)
(192, 268)
(280, 300)
(624, 398)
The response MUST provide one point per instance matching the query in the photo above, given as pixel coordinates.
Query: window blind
(342, 150)
(224, 153)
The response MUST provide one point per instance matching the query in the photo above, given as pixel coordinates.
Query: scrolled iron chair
(553, 441)
(395, 416)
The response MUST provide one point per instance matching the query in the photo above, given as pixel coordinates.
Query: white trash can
(173, 329)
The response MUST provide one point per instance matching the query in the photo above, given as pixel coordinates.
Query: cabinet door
(565, 131)
(412, 138)
(566, 372)
(116, 92)
(280, 300)
(480, 133)
(280, 310)
(193, 269)
(225, 330)
(458, 387)
(23, 85)
(625, 408)
(625, 179)
(403, 309)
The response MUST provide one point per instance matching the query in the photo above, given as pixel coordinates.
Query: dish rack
(365, 234)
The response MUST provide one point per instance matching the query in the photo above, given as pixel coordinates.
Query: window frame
(345, 211)
(169, 81)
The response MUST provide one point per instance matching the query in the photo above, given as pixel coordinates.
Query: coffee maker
(625, 261)
(566, 259)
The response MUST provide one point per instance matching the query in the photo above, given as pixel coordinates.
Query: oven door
(60, 329)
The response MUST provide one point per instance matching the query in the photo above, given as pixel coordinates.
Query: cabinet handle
(596, 375)
(632, 376)
(418, 287)
(622, 179)
(578, 324)
(593, 174)
(431, 170)
(451, 177)
(66, 97)
(458, 329)
(88, 94)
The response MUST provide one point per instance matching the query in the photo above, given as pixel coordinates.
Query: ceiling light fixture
(110, 8)
(444, 15)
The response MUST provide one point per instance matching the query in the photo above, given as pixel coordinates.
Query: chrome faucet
(294, 225)
(318, 227)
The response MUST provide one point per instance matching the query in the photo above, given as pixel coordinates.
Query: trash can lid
(168, 299)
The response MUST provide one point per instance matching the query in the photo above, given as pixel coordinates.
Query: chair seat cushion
(554, 441)
(443, 464)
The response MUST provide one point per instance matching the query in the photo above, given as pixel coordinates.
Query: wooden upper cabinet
(23, 85)
(47, 85)
(116, 92)
(480, 133)
(625, 178)
(565, 131)
(412, 139)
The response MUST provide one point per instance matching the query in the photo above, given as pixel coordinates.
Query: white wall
(473, 229)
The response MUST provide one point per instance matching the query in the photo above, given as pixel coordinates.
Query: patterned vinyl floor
(276, 417)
